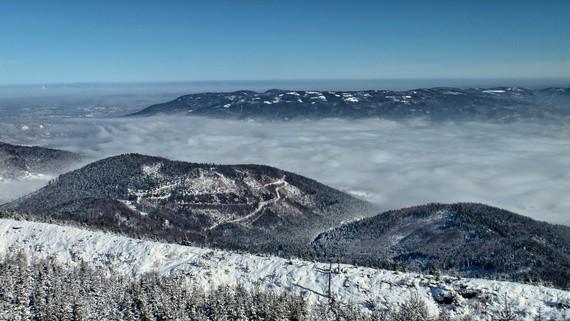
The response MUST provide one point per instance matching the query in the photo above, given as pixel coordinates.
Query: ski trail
(262, 204)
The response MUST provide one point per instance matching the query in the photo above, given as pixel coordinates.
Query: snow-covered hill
(444, 103)
(209, 268)
(232, 206)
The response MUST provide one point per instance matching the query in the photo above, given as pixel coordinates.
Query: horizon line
(209, 81)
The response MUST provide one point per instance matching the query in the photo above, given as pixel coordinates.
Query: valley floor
(209, 268)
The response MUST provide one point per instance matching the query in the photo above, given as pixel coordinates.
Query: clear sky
(63, 41)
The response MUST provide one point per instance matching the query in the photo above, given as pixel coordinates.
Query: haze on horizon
(285, 159)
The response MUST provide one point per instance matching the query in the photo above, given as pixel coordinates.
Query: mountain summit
(235, 206)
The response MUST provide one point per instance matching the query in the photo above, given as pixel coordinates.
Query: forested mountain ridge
(250, 207)
(264, 209)
(466, 238)
(440, 103)
(17, 162)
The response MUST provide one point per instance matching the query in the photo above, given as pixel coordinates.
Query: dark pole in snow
(330, 279)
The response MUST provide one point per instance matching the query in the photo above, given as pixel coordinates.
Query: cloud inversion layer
(521, 166)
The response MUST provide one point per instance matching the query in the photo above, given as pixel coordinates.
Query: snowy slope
(209, 268)
(194, 203)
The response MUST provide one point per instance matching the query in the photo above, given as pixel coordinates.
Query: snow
(181, 191)
(152, 170)
(211, 182)
(184, 190)
(132, 206)
(493, 91)
(400, 99)
(280, 183)
(316, 95)
(227, 105)
(209, 268)
(201, 182)
(349, 98)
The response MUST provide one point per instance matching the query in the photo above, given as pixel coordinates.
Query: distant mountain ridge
(465, 238)
(440, 103)
(17, 162)
(233, 206)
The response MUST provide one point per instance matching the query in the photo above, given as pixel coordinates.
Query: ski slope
(209, 268)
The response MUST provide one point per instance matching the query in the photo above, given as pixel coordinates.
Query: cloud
(521, 166)
(11, 189)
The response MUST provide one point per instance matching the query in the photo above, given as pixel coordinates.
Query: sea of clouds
(522, 167)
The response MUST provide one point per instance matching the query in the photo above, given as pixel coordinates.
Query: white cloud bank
(522, 167)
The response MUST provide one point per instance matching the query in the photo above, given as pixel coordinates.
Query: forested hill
(500, 104)
(17, 162)
(249, 207)
(470, 239)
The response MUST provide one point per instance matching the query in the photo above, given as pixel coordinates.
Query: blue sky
(122, 41)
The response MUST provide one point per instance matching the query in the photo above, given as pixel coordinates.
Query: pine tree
(413, 309)
(507, 313)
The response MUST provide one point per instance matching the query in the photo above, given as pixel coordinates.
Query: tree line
(47, 290)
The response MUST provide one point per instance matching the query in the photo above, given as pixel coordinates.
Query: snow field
(209, 268)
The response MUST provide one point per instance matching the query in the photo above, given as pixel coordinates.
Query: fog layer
(522, 167)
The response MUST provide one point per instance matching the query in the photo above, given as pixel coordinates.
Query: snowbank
(208, 268)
